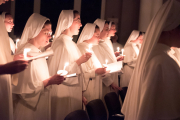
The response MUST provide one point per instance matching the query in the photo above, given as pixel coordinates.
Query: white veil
(64, 22)
(100, 23)
(167, 18)
(3, 14)
(33, 27)
(133, 36)
(87, 32)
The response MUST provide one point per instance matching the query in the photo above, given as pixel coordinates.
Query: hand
(100, 71)
(84, 58)
(115, 87)
(117, 53)
(56, 79)
(3, 1)
(20, 57)
(84, 100)
(120, 58)
(14, 67)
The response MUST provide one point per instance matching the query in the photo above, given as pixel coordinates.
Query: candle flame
(118, 49)
(106, 61)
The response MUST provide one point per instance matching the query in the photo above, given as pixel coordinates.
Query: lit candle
(26, 50)
(53, 36)
(17, 40)
(66, 64)
(106, 61)
(122, 52)
(89, 50)
(118, 49)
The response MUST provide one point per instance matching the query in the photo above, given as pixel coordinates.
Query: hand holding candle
(118, 49)
(66, 64)
(63, 72)
(105, 65)
(26, 50)
(89, 50)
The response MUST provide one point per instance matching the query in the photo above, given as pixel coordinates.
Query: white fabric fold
(141, 87)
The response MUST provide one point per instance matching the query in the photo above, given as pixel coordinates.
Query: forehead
(113, 26)
(8, 17)
(106, 26)
(76, 16)
(47, 27)
(97, 30)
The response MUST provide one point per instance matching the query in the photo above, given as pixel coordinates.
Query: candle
(106, 61)
(26, 50)
(118, 49)
(122, 51)
(53, 36)
(17, 40)
(89, 50)
(66, 64)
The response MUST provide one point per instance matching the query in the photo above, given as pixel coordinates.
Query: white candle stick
(122, 51)
(66, 64)
(89, 50)
(17, 40)
(118, 49)
(53, 36)
(26, 50)
(106, 61)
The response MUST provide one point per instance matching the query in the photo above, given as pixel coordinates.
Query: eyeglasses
(47, 32)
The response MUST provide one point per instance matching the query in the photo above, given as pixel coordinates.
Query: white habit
(34, 100)
(6, 107)
(153, 91)
(94, 88)
(66, 97)
(103, 53)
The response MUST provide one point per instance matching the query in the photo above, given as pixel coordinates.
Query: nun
(88, 38)
(67, 97)
(32, 90)
(153, 92)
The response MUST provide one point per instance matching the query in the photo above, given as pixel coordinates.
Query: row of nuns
(39, 89)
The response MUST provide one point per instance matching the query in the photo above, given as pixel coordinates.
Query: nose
(13, 24)
(80, 24)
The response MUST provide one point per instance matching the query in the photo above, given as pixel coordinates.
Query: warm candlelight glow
(89, 50)
(26, 50)
(106, 61)
(118, 49)
(17, 40)
(122, 51)
(66, 64)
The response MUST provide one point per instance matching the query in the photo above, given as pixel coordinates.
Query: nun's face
(112, 30)
(96, 37)
(9, 23)
(139, 39)
(44, 35)
(105, 32)
(74, 28)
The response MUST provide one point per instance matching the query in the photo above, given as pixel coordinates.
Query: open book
(113, 67)
(42, 55)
